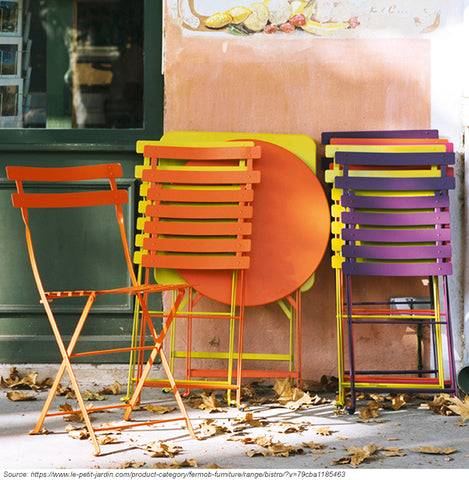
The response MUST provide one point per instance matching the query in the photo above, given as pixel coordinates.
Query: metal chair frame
(115, 197)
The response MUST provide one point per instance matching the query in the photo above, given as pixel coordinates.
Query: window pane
(71, 64)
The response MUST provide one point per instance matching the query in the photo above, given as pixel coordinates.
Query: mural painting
(318, 18)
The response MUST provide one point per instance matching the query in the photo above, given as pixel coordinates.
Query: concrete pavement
(265, 436)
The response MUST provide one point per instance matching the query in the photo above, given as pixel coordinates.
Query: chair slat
(69, 200)
(198, 228)
(196, 245)
(395, 184)
(222, 177)
(64, 174)
(196, 262)
(396, 159)
(227, 152)
(412, 235)
(194, 212)
(186, 195)
(395, 202)
(397, 253)
(326, 136)
(395, 219)
(397, 269)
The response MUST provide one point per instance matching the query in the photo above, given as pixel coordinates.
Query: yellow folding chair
(197, 206)
(88, 196)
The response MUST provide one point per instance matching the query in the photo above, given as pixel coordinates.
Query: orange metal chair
(89, 197)
(197, 208)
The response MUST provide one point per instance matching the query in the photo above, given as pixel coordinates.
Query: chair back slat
(64, 174)
(197, 245)
(421, 235)
(395, 184)
(398, 219)
(407, 252)
(423, 269)
(68, 200)
(196, 212)
(227, 152)
(326, 136)
(380, 159)
(198, 228)
(196, 262)
(386, 202)
(222, 177)
(185, 195)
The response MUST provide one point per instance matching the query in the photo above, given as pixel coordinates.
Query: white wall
(449, 85)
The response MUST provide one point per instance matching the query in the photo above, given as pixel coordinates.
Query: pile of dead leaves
(446, 405)
(294, 398)
(29, 382)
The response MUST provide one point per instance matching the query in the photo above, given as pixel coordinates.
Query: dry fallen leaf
(315, 447)
(399, 401)
(460, 407)
(278, 449)
(248, 419)
(112, 390)
(132, 464)
(160, 410)
(89, 395)
(253, 453)
(392, 452)
(434, 450)
(77, 433)
(210, 404)
(358, 455)
(440, 404)
(20, 396)
(368, 412)
(323, 431)
(289, 427)
(209, 428)
(15, 382)
(76, 417)
(161, 449)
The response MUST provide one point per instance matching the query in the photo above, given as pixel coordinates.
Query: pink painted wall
(302, 86)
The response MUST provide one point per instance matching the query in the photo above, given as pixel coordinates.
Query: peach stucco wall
(301, 86)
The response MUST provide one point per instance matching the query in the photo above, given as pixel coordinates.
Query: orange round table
(291, 227)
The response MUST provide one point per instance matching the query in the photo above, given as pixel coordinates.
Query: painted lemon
(218, 20)
(239, 14)
(258, 18)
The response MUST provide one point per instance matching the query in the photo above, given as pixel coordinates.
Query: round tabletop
(291, 226)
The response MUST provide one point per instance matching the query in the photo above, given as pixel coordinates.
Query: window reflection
(71, 63)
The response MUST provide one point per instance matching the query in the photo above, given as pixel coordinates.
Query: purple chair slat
(397, 253)
(397, 269)
(360, 201)
(413, 235)
(395, 219)
(394, 184)
(394, 159)
(326, 136)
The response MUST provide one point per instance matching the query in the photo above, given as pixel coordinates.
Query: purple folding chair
(396, 224)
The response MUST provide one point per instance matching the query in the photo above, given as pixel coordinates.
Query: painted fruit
(218, 20)
(239, 14)
(258, 18)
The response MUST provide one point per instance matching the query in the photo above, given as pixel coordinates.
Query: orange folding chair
(198, 209)
(86, 177)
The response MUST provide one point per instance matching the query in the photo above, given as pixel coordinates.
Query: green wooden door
(77, 123)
